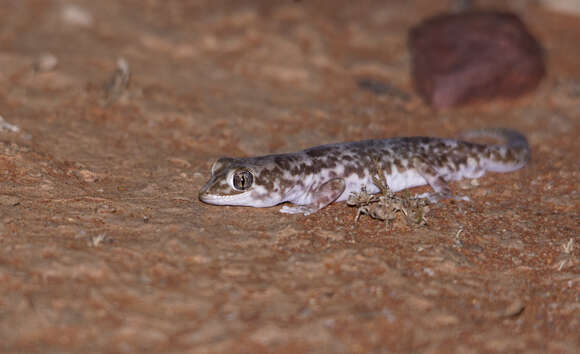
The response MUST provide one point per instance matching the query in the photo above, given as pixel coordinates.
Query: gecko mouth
(221, 199)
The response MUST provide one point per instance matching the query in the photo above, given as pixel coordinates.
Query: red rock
(474, 56)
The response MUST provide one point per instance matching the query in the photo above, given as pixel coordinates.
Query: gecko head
(237, 182)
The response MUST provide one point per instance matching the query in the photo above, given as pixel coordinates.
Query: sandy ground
(104, 246)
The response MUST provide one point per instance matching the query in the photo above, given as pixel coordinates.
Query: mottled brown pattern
(355, 169)
(319, 152)
(294, 176)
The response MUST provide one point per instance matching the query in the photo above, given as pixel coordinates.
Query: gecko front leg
(321, 197)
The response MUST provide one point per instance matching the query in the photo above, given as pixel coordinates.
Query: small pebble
(45, 62)
(77, 16)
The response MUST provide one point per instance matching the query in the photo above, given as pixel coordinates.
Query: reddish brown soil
(106, 248)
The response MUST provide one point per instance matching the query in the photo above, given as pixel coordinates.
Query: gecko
(316, 177)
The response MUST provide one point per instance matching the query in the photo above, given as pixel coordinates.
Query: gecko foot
(301, 209)
(320, 197)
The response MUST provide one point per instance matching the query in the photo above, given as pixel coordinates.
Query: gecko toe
(295, 210)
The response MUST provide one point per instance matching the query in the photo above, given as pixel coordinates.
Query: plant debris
(379, 87)
(4, 125)
(566, 259)
(386, 205)
(117, 85)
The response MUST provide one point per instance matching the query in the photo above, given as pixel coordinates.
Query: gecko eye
(243, 180)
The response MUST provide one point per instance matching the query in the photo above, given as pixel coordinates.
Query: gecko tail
(514, 153)
(511, 138)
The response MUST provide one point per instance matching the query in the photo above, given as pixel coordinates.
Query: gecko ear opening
(220, 164)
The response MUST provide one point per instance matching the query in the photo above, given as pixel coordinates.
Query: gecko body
(316, 177)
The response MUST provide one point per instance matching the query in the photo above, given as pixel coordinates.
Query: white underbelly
(396, 181)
